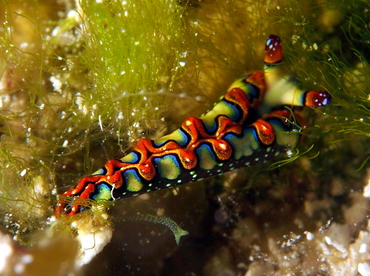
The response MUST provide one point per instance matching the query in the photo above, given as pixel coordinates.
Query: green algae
(133, 59)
